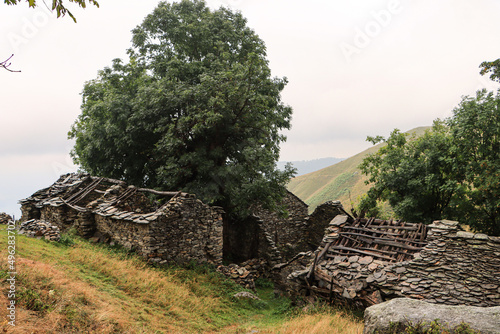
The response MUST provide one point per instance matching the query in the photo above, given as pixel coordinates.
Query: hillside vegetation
(342, 181)
(79, 287)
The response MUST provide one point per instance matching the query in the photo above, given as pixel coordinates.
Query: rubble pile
(39, 228)
(4, 218)
(368, 261)
(246, 272)
(238, 274)
(259, 268)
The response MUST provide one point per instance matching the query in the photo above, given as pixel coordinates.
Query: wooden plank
(370, 253)
(409, 228)
(381, 238)
(396, 244)
(370, 230)
(162, 193)
(383, 251)
(324, 250)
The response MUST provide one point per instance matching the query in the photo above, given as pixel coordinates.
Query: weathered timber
(370, 253)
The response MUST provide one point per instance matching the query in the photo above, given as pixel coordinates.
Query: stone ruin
(359, 261)
(368, 261)
(160, 226)
(5, 218)
(166, 227)
(36, 228)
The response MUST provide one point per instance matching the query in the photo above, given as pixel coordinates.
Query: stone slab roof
(102, 196)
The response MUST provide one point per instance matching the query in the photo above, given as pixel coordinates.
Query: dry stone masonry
(164, 227)
(4, 218)
(40, 229)
(177, 227)
(436, 263)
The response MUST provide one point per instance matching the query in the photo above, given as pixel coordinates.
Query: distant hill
(341, 181)
(309, 166)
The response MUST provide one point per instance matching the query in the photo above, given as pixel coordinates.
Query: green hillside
(75, 286)
(342, 181)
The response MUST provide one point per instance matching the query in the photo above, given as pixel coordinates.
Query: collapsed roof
(103, 196)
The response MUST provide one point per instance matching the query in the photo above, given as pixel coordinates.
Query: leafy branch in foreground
(57, 5)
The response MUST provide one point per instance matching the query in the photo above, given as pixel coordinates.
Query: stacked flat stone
(181, 230)
(259, 268)
(454, 268)
(40, 229)
(5, 218)
(239, 275)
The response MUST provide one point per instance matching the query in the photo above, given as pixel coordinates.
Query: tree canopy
(475, 131)
(451, 172)
(57, 5)
(195, 109)
(415, 174)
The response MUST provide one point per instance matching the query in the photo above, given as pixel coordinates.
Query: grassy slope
(342, 181)
(87, 288)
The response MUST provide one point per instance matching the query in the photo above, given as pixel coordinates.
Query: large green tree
(416, 175)
(451, 172)
(475, 130)
(195, 108)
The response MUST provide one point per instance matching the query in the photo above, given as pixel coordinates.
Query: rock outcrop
(404, 310)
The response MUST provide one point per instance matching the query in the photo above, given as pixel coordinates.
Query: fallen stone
(246, 294)
(365, 260)
(4, 218)
(404, 310)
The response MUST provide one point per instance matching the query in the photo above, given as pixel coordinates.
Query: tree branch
(5, 64)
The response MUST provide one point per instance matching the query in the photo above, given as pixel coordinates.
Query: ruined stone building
(367, 261)
(359, 261)
(174, 226)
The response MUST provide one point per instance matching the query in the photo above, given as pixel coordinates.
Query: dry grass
(51, 302)
(91, 289)
(335, 323)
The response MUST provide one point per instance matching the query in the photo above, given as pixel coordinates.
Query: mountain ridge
(341, 181)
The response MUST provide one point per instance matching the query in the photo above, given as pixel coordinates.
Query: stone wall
(284, 236)
(454, 268)
(63, 216)
(188, 230)
(183, 229)
(5, 218)
(318, 221)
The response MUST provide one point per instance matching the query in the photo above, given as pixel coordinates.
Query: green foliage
(475, 130)
(57, 5)
(264, 283)
(434, 327)
(416, 176)
(451, 172)
(194, 109)
(492, 68)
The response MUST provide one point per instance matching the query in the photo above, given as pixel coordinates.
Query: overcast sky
(355, 68)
